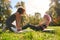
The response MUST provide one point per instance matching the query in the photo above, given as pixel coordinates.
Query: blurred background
(34, 9)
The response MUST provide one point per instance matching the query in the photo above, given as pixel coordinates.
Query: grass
(32, 35)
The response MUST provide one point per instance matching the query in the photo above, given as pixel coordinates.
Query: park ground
(32, 35)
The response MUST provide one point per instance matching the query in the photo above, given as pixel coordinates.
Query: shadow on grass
(52, 32)
(1, 32)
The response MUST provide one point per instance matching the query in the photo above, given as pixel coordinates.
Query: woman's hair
(20, 10)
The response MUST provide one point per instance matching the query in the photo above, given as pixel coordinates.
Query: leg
(32, 27)
(36, 28)
(9, 22)
(25, 26)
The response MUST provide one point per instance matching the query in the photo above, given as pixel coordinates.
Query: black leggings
(9, 22)
(36, 28)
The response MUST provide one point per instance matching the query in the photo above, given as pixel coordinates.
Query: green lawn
(32, 35)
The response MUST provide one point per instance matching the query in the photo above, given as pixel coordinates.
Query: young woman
(17, 17)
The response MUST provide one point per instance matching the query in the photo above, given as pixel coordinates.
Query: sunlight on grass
(32, 35)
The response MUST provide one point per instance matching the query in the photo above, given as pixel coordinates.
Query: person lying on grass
(41, 26)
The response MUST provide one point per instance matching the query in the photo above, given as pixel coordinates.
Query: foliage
(54, 11)
(20, 4)
(5, 10)
(35, 19)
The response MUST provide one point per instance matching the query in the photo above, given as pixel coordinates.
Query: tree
(35, 19)
(5, 10)
(55, 11)
(20, 4)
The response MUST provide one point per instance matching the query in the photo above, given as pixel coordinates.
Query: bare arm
(18, 21)
(41, 22)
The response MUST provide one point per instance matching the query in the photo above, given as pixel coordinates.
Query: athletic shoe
(14, 29)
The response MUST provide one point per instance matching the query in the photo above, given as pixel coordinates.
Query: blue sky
(32, 6)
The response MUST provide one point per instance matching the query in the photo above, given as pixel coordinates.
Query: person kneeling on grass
(16, 16)
(41, 26)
